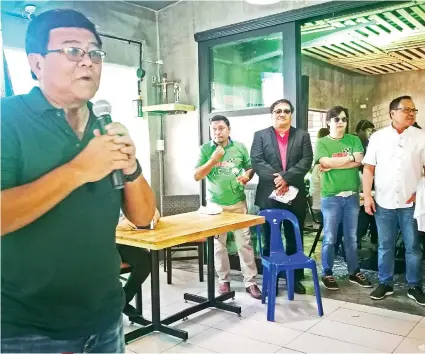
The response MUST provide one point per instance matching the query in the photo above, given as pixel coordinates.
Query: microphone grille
(102, 107)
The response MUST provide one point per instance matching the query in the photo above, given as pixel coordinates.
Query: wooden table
(173, 231)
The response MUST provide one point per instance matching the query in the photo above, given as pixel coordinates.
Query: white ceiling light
(262, 2)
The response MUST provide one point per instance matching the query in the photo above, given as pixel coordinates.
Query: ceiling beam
(411, 19)
(397, 21)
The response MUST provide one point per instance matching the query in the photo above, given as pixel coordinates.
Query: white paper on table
(210, 210)
(287, 197)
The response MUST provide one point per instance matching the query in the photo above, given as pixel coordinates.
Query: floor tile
(284, 316)
(418, 332)
(370, 338)
(383, 312)
(192, 328)
(187, 348)
(211, 317)
(287, 350)
(422, 321)
(368, 320)
(224, 342)
(264, 331)
(153, 343)
(310, 343)
(410, 345)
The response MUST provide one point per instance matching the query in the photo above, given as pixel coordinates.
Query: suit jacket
(266, 161)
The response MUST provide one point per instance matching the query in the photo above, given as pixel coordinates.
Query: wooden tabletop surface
(189, 227)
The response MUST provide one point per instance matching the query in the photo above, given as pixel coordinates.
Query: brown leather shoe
(254, 291)
(224, 288)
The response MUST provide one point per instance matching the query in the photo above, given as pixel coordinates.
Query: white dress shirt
(399, 161)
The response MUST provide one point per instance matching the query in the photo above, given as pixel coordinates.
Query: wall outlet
(153, 79)
(363, 106)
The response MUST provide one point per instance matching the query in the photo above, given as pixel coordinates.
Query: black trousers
(140, 261)
(298, 208)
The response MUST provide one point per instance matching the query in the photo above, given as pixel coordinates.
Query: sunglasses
(77, 54)
(337, 119)
(280, 111)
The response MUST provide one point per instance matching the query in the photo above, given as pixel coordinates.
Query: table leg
(155, 325)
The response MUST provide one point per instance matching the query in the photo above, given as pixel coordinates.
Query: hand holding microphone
(111, 151)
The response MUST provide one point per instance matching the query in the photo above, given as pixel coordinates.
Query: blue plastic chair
(279, 261)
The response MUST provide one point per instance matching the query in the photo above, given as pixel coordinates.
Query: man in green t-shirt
(226, 165)
(340, 155)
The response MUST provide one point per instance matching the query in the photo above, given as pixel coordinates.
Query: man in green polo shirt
(226, 165)
(60, 289)
(340, 155)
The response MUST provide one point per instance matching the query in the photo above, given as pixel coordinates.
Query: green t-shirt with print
(222, 186)
(336, 181)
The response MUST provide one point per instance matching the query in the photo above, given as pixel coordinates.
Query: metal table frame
(158, 325)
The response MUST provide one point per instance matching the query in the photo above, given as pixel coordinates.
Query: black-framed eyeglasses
(280, 111)
(407, 110)
(337, 119)
(75, 54)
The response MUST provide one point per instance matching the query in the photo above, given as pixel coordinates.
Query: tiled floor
(345, 327)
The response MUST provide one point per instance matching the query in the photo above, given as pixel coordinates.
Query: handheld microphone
(102, 110)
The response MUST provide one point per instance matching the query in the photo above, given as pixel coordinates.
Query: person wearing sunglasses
(340, 155)
(282, 156)
(395, 162)
(60, 266)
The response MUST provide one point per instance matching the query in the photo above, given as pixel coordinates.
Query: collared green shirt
(60, 272)
(222, 186)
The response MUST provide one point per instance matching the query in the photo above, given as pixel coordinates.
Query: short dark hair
(335, 112)
(363, 125)
(396, 102)
(219, 118)
(323, 132)
(38, 32)
(283, 100)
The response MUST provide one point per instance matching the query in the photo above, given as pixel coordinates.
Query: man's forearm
(139, 202)
(367, 182)
(202, 171)
(24, 204)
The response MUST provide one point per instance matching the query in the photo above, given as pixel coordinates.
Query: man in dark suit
(281, 156)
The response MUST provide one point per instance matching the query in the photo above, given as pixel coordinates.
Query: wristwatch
(135, 174)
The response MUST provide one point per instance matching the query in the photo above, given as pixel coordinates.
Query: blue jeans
(387, 222)
(109, 341)
(337, 209)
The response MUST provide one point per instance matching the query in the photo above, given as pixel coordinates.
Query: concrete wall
(334, 86)
(179, 51)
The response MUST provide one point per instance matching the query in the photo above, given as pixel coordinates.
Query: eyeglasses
(407, 110)
(280, 111)
(77, 54)
(337, 119)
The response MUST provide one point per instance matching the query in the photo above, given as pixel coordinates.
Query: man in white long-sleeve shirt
(396, 158)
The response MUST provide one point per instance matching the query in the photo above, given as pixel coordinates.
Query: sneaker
(417, 294)
(254, 291)
(330, 283)
(381, 291)
(360, 279)
(224, 288)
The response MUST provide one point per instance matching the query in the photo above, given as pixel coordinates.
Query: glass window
(247, 73)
